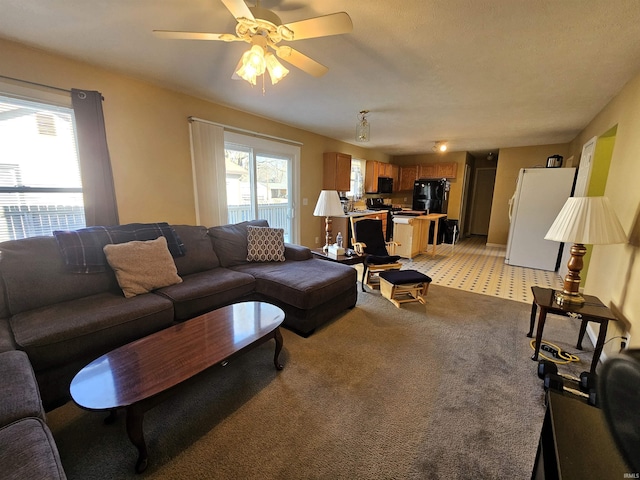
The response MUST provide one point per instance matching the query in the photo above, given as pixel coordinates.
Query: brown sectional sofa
(65, 320)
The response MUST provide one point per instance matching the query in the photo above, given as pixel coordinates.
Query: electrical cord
(558, 356)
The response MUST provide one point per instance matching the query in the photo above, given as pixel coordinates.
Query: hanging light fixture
(440, 146)
(362, 127)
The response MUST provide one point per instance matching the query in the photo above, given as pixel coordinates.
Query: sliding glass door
(259, 177)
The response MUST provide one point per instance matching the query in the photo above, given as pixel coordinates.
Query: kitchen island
(412, 233)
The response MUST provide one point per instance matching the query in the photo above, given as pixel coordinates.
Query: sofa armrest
(296, 252)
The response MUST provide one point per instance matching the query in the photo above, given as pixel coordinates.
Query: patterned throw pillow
(265, 244)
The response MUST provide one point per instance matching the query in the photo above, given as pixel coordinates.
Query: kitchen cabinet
(438, 170)
(408, 175)
(447, 170)
(372, 172)
(385, 169)
(428, 170)
(395, 174)
(336, 172)
(407, 237)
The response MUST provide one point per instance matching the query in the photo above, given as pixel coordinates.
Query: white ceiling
(482, 74)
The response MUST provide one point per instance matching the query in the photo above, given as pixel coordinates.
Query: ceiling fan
(264, 30)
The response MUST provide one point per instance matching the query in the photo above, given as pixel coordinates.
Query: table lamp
(328, 206)
(583, 220)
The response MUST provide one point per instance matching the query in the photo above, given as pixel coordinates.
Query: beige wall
(457, 184)
(148, 136)
(510, 161)
(614, 270)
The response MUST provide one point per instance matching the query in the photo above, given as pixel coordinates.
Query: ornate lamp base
(569, 298)
(570, 292)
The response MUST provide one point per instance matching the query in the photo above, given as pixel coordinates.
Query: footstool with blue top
(404, 286)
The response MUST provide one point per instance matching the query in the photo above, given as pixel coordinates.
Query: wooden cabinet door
(447, 170)
(372, 173)
(428, 170)
(408, 175)
(395, 174)
(336, 172)
(384, 169)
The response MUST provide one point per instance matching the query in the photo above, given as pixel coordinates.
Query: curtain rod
(36, 84)
(247, 132)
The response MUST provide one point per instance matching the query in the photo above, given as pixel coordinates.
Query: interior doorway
(482, 196)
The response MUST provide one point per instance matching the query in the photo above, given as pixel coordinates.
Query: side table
(593, 310)
(352, 260)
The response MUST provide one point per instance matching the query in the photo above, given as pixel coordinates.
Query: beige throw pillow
(142, 266)
(265, 244)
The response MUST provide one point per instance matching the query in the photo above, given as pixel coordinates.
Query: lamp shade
(328, 204)
(587, 220)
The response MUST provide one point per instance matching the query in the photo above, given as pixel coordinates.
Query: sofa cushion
(142, 266)
(204, 291)
(297, 252)
(265, 244)
(20, 396)
(35, 276)
(200, 255)
(303, 284)
(88, 327)
(7, 343)
(29, 451)
(230, 241)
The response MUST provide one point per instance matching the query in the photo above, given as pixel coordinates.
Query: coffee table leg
(278, 338)
(135, 416)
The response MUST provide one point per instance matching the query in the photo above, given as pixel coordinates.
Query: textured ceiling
(482, 74)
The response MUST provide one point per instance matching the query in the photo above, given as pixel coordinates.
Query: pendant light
(362, 127)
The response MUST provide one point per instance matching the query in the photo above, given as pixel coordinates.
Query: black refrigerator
(431, 196)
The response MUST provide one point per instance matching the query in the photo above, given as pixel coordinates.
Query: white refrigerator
(539, 197)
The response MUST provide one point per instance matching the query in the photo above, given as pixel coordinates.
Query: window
(40, 185)
(259, 177)
(356, 190)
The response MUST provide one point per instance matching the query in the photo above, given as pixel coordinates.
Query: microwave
(385, 185)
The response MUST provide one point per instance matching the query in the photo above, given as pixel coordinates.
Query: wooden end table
(593, 310)
(141, 374)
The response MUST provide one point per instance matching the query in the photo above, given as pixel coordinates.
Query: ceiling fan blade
(301, 61)
(332, 24)
(238, 9)
(225, 37)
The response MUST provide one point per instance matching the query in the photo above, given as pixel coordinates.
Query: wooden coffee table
(141, 374)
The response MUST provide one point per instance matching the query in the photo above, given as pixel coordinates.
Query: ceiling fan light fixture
(362, 127)
(276, 70)
(253, 64)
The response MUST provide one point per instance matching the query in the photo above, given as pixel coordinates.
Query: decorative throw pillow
(265, 244)
(142, 266)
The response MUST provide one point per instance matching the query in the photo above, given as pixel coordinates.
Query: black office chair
(368, 239)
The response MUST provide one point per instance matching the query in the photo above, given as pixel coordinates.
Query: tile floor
(472, 266)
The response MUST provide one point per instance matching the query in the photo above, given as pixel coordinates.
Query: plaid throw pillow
(265, 244)
(82, 249)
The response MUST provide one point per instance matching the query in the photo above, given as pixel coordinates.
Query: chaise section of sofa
(311, 292)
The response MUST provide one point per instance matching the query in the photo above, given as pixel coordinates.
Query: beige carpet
(442, 392)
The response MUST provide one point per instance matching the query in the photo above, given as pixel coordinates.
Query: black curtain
(100, 206)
